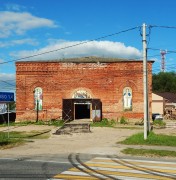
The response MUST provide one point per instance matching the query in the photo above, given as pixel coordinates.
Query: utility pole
(145, 82)
(36, 103)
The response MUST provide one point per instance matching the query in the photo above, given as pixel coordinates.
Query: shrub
(104, 123)
(123, 120)
(159, 123)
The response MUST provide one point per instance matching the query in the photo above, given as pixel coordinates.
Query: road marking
(114, 168)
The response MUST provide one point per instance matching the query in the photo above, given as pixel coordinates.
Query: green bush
(54, 122)
(104, 123)
(123, 120)
(112, 122)
(159, 123)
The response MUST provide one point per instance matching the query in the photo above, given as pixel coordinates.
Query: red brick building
(79, 88)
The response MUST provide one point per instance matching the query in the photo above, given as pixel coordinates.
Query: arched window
(38, 98)
(127, 98)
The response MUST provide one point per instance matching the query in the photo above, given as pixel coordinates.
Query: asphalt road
(81, 165)
(19, 169)
(40, 168)
(31, 169)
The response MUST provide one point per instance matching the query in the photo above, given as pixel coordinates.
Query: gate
(68, 108)
(96, 110)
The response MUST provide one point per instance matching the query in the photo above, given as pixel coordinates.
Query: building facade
(80, 88)
(158, 104)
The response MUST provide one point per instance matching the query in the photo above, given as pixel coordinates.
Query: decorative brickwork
(102, 78)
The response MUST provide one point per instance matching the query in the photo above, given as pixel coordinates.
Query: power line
(78, 44)
(170, 27)
(7, 83)
(168, 51)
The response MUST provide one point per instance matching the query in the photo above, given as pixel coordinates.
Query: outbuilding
(81, 88)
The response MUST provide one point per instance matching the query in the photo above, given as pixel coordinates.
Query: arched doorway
(82, 106)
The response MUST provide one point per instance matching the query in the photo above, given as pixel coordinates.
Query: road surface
(82, 166)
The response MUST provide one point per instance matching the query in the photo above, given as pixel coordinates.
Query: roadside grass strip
(153, 139)
(149, 152)
(116, 168)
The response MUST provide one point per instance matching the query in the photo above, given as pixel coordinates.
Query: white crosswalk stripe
(115, 168)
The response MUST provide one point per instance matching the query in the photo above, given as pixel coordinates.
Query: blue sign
(6, 97)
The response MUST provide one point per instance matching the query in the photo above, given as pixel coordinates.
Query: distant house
(162, 102)
(158, 104)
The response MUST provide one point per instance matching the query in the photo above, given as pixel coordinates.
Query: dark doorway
(82, 111)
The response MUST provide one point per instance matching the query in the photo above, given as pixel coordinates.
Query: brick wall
(104, 80)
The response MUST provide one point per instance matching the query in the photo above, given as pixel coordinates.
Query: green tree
(12, 106)
(164, 82)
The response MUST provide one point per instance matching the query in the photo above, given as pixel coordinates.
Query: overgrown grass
(25, 123)
(159, 123)
(18, 138)
(153, 139)
(149, 152)
(104, 123)
(6, 142)
(123, 120)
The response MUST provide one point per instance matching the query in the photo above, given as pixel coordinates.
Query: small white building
(158, 104)
(164, 103)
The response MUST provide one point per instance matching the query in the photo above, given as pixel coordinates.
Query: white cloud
(26, 41)
(7, 82)
(7, 76)
(14, 7)
(20, 22)
(1, 60)
(93, 48)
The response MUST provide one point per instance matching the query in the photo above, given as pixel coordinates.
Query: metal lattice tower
(163, 52)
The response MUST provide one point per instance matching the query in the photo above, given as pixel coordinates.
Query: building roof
(170, 97)
(88, 59)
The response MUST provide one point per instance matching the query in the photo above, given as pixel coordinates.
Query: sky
(103, 28)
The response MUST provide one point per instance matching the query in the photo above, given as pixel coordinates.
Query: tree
(164, 82)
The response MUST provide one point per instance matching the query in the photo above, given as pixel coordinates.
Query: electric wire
(7, 83)
(74, 45)
(168, 51)
(157, 26)
(103, 37)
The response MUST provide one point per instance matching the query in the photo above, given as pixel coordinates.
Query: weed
(159, 123)
(104, 123)
(123, 120)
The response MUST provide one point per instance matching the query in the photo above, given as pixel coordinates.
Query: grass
(104, 123)
(153, 139)
(149, 152)
(19, 138)
(6, 142)
(56, 123)
(42, 134)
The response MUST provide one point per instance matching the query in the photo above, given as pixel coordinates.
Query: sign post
(7, 97)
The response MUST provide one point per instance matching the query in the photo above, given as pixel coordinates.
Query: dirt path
(99, 141)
